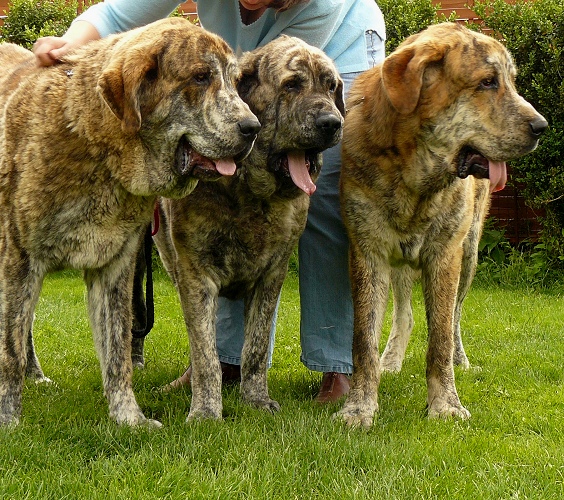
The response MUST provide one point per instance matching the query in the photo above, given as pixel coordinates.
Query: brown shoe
(230, 374)
(333, 387)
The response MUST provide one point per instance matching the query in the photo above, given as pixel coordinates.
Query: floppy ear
(120, 83)
(249, 76)
(402, 74)
(340, 97)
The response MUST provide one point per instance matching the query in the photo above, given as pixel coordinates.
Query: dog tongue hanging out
(498, 175)
(233, 237)
(299, 171)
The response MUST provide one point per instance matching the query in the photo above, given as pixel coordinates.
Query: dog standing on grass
(234, 237)
(425, 130)
(86, 146)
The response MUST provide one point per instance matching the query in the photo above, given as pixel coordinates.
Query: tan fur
(233, 238)
(405, 204)
(86, 147)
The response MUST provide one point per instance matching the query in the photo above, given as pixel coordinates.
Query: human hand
(49, 50)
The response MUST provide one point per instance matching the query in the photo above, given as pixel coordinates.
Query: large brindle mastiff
(424, 132)
(86, 147)
(233, 238)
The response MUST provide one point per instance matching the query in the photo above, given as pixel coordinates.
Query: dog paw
(150, 423)
(356, 416)
(268, 405)
(7, 421)
(43, 380)
(132, 417)
(444, 409)
(462, 362)
(388, 364)
(139, 422)
(203, 414)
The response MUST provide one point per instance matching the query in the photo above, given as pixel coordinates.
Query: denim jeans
(326, 315)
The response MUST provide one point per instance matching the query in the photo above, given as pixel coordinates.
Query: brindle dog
(424, 131)
(86, 147)
(233, 238)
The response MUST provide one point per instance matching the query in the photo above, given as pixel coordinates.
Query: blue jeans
(326, 315)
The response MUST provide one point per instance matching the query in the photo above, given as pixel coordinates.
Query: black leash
(143, 307)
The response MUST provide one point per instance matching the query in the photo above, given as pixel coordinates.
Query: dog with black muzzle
(234, 238)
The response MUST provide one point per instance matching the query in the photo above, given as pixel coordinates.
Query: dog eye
(293, 85)
(332, 86)
(489, 83)
(202, 78)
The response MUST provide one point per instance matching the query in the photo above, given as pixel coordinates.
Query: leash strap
(148, 306)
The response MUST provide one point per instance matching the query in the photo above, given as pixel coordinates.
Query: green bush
(534, 34)
(27, 20)
(407, 17)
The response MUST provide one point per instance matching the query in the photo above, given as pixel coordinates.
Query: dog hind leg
(468, 268)
(33, 369)
(402, 323)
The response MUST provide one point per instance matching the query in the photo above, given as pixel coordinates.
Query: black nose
(538, 126)
(328, 123)
(249, 127)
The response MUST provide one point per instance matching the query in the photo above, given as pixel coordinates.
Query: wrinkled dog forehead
(286, 55)
(196, 52)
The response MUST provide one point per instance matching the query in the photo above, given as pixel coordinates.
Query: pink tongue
(299, 173)
(497, 175)
(226, 166)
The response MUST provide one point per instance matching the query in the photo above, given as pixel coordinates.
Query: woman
(352, 33)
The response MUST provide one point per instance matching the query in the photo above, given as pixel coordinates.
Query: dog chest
(81, 233)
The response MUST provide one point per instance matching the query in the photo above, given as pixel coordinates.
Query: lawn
(511, 448)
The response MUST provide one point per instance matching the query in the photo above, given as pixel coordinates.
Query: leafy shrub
(534, 34)
(494, 246)
(27, 20)
(407, 17)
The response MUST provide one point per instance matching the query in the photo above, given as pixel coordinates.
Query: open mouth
(472, 162)
(190, 162)
(299, 165)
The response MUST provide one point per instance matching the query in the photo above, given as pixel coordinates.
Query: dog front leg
(402, 324)
(468, 265)
(20, 286)
(260, 308)
(370, 282)
(109, 307)
(468, 269)
(440, 279)
(198, 297)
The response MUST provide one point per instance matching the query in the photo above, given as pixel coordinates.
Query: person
(352, 33)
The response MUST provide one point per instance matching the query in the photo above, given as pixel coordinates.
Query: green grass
(511, 448)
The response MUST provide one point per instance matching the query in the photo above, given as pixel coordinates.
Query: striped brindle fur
(424, 132)
(86, 147)
(233, 238)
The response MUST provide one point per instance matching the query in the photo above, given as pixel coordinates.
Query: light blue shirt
(336, 26)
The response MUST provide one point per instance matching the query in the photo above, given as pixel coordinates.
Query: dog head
(460, 86)
(172, 86)
(296, 93)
